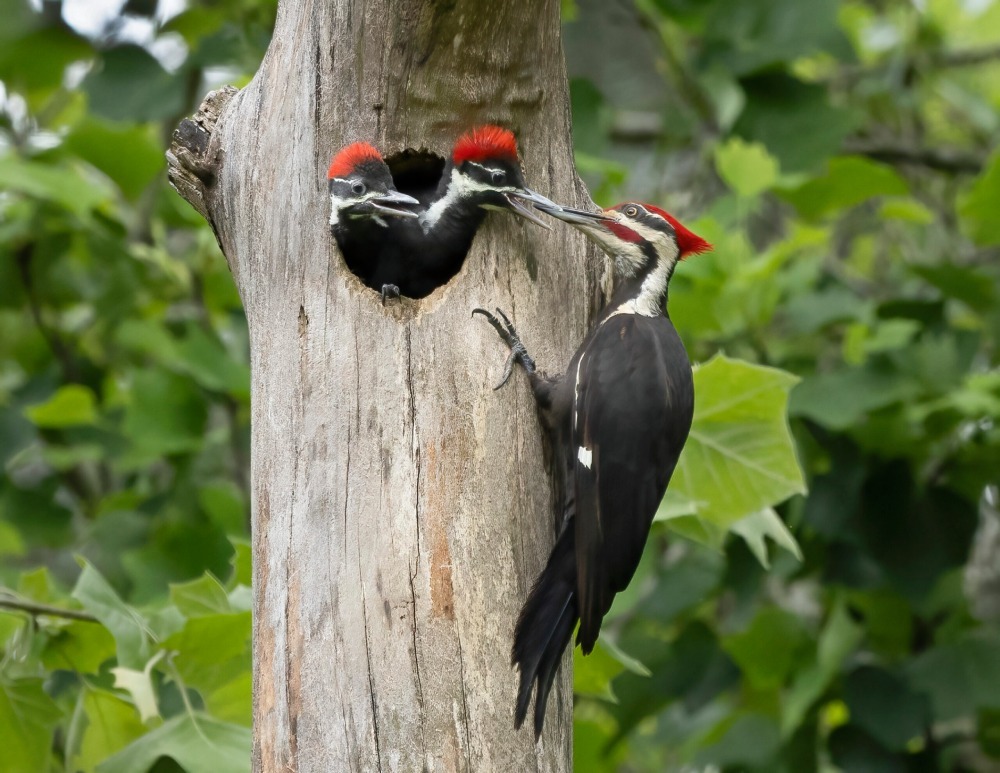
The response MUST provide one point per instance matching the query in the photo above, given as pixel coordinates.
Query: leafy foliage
(853, 216)
(841, 155)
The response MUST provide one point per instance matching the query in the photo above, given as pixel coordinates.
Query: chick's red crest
(485, 142)
(688, 242)
(348, 159)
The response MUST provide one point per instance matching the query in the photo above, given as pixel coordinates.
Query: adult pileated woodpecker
(362, 200)
(483, 173)
(619, 418)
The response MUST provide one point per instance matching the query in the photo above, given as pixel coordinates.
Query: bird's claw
(518, 352)
(389, 291)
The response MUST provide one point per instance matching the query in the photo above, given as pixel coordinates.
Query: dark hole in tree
(396, 251)
(416, 173)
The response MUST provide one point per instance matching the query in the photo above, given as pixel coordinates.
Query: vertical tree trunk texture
(401, 509)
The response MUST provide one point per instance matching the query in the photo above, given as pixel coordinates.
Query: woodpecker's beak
(514, 199)
(575, 216)
(390, 203)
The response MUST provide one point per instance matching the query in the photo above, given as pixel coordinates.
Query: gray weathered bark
(400, 507)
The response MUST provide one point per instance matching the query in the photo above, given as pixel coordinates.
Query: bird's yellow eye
(631, 211)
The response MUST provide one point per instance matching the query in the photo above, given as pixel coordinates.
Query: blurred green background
(841, 156)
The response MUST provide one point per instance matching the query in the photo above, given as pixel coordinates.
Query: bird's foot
(518, 353)
(389, 291)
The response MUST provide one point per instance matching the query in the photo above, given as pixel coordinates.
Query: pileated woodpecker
(619, 418)
(483, 173)
(362, 199)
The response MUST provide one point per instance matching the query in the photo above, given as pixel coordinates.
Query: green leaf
(198, 743)
(70, 406)
(201, 597)
(750, 740)
(232, 701)
(60, 185)
(210, 365)
(112, 724)
(212, 650)
(972, 286)
(11, 543)
(749, 37)
(840, 399)
(129, 155)
(838, 639)
(27, 718)
(79, 646)
(242, 562)
(978, 208)
(795, 121)
(166, 414)
(223, 503)
(37, 61)
(770, 649)
(960, 676)
(739, 457)
(593, 673)
(885, 706)
(130, 85)
(848, 181)
(907, 210)
(124, 623)
(746, 167)
(766, 524)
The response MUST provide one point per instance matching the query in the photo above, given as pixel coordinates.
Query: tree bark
(400, 507)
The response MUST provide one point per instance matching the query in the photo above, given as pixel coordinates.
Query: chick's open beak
(393, 203)
(515, 199)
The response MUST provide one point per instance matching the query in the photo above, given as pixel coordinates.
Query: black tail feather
(544, 628)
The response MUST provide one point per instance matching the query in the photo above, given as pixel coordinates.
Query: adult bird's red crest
(485, 142)
(689, 243)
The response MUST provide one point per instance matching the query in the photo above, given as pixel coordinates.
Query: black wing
(633, 406)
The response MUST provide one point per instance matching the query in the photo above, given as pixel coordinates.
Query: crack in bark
(465, 702)
(368, 658)
(414, 446)
(416, 664)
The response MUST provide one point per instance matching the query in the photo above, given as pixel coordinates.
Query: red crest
(485, 142)
(348, 159)
(689, 243)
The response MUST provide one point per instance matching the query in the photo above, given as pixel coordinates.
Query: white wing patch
(586, 456)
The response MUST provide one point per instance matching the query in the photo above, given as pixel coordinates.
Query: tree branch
(940, 159)
(34, 609)
(968, 57)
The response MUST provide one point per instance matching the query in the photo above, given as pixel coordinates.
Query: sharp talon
(508, 368)
(508, 334)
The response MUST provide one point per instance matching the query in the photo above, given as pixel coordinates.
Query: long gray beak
(514, 198)
(574, 216)
(389, 203)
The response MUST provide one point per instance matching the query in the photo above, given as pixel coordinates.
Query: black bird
(483, 173)
(363, 199)
(619, 418)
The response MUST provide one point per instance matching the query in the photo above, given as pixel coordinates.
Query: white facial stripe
(489, 169)
(460, 186)
(337, 204)
(647, 303)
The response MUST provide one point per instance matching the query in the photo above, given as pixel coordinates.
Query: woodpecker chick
(619, 418)
(483, 174)
(363, 200)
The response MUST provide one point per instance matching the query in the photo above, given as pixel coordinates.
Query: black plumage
(619, 419)
(412, 256)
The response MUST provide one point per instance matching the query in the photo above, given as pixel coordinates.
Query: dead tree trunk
(400, 507)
